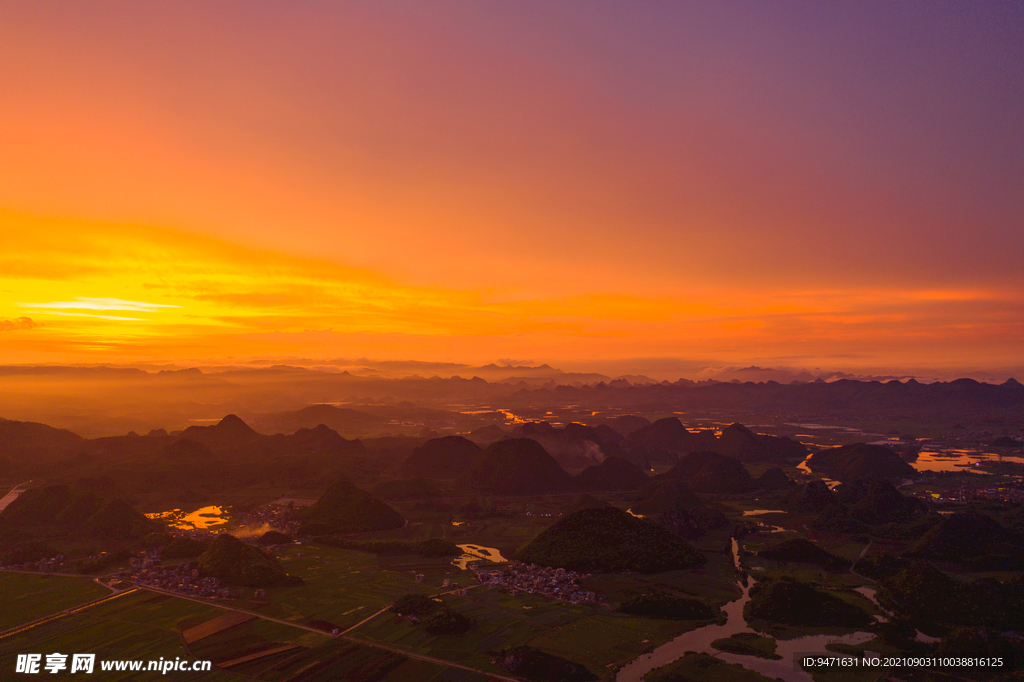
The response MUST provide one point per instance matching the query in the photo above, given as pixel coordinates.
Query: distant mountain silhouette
(486, 435)
(518, 466)
(740, 442)
(813, 496)
(184, 449)
(24, 442)
(669, 434)
(444, 458)
(575, 446)
(345, 421)
(860, 460)
(344, 508)
(847, 397)
(609, 540)
(614, 473)
(736, 440)
(229, 432)
(877, 501)
(711, 472)
(628, 423)
(774, 479)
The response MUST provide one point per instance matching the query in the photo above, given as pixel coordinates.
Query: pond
(204, 518)
(471, 553)
(956, 459)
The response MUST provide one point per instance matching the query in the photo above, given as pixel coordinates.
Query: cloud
(102, 317)
(85, 303)
(17, 323)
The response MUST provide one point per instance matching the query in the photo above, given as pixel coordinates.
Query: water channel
(699, 640)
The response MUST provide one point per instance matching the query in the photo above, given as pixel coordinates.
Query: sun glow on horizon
(202, 297)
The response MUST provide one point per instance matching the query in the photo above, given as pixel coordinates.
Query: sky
(800, 184)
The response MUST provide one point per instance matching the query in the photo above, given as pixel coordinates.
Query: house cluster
(553, 583)
(967, 493)
(43, 565)
(148, 570)
(282, 518)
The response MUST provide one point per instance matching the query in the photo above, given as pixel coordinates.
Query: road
(7, 499)
(854, 565)
(61, 614)
(345, 636)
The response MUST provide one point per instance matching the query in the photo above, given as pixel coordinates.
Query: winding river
(700, 640)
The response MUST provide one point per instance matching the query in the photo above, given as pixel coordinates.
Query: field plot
(603, 640)
(342, 586)
(27, 597)
(500, 621)
(212, 627)
(253, 645)
(342, 660)
(131, 627)
(714, 582)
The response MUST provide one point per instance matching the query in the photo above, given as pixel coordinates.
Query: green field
(345, 586)
(147, 626)
(136, 626)
(27, 597)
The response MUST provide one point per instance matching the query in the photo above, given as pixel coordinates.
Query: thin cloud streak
(87, 303)
(100, 317)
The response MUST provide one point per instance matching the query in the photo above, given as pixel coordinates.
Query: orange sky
(193, 183)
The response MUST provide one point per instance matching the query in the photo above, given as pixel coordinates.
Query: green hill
(740, 442)
(972, 538)
(813, 496)
(860, 460)
(673, 504)
(118, 519)
(792, 602)
(774, 479)
(444, 458)
(698, 667)
(883, 503)
(60, 510)
(803, 551)
(344, 508)
(922, 591)
(519, 466)
(273, 537)
(711, 472)
(26, 445)
(667, 606)
(233, 562)
(608, 540)
(614, 473)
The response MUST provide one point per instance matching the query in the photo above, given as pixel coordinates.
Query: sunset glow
(543, 183)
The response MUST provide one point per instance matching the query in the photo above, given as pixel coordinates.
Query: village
(553, 583)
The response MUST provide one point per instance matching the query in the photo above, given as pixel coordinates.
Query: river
(700, 640)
